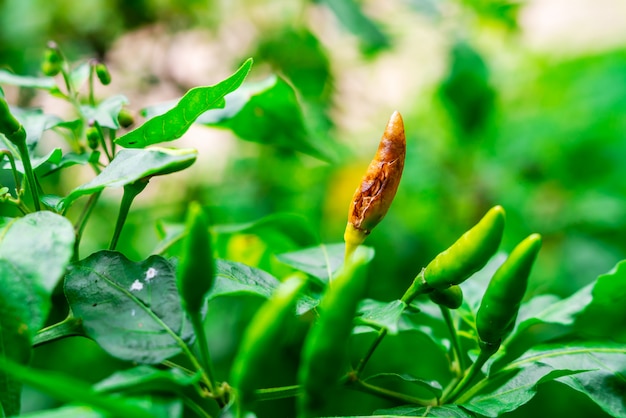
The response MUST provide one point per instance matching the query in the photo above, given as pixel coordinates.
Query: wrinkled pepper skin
(373, 197)
(501, 301)
(468, 254)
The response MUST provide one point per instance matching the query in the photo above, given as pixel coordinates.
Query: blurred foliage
(541, 133)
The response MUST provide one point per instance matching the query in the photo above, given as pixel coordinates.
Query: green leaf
(35, 122)
(68, 389)
(45, 83)
(175, 122)
(595, 369)
(432, 386)
(375, 315)
(67, 160)
(233, 278)
(79, 75)
(605, 315)
(105, 113)
(132, 310)
(350, 15)
(443, 411)
(237, 278)
(130, 165)
(146, 379)
(268, 112)
(321, 261)
(69, 411)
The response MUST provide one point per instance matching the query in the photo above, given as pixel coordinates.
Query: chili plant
(316, 326)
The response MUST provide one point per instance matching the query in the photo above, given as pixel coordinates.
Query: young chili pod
(500, 304)
(468, 254)
(52, 60)
(103, 74)
(196, 267)
(9, 126)
(374, 195)
(451, 297)
(262, 339)
(94, 135)
(125, 118)
(325, 349)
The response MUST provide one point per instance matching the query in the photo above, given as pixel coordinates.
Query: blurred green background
(505, 102)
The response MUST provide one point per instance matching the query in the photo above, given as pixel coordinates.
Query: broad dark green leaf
(443, 411)
(68, 160)
(373, 315)
(105, 113)
(605, 315)
(174, 123)
(130, 165)
(131, 309)
(45, 83)
(145, 379)
(268, 112)
(432, 386)
(321, 261)
(68, 389)
(350, 15)
(595, 369)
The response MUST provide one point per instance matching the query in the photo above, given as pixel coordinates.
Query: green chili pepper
(262, 339)
(325, 350)
(9, 126)
(500, 304)
(196, 269)
(468, 254)
(52, 60)
(103, 73)
(94, 135)
(125, 118)
(451, 297)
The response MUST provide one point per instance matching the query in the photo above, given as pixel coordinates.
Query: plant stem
(16, 176)
(30, 174)
(130, 192)
(69, 327)
(79, 226)
(282, 392)
(390, 394)
(456, 344)
(470, 375)
(205, 356)
(363, 362)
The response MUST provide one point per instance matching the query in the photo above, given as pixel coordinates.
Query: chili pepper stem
(69, 327)
(130, 192)
(459, 363)
(418, 287)
(205, 357)
(470, 375)
(281, 392)
(79, 227)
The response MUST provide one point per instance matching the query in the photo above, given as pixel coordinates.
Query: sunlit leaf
(130, 165)
(45, 83)
(320, 261)
(595, 369)
(174, 123)
(131, 309)
(373, 315)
